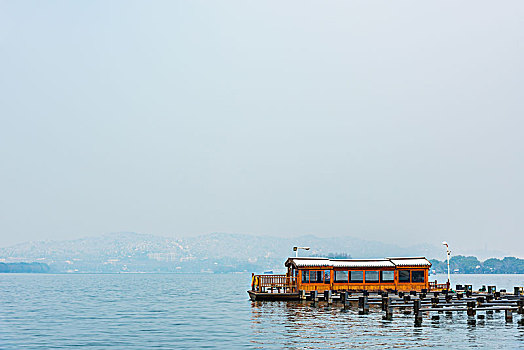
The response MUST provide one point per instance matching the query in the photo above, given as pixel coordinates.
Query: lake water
(177, 311)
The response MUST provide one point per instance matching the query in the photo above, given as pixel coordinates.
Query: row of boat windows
(324, 276)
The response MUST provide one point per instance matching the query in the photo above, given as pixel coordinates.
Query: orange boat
(321, 274)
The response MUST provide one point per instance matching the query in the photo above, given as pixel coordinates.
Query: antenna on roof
(295, 249)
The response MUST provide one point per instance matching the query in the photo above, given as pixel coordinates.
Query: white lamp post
(448, 254)
(295, 249)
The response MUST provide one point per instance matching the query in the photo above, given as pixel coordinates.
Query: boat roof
(385, 262)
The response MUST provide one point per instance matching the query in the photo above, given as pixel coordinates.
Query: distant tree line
(470, 264)
(24, 267)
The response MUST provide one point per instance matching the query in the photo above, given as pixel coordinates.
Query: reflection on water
(304, 325)
(169, 311)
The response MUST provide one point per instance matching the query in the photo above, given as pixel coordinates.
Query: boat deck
(256, 296)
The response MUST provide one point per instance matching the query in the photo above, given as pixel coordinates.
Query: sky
(400, 122)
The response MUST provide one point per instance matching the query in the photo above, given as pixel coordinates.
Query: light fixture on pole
(448, 255)
(295, 249)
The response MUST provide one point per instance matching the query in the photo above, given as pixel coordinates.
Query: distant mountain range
(215, 252)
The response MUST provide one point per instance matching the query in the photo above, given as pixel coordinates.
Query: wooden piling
(417, 312)
(434, 302)
(520, 305)
(385, 300)
(389, 310)
(471, 308)
(328, 296)
(363, 305)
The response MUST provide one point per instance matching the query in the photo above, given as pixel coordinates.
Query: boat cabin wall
(372, 279)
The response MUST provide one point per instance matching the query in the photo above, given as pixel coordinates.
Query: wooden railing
(438, 286)
(273, 283)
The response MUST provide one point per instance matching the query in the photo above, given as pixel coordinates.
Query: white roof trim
(410, 261)
(356, 263)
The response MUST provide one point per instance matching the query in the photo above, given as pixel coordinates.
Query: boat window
(316, 277)
(388, 276)
(305, 276)
(341, 277)
(327, 276)
(403, 276)
(417, 276)
(356, 276)
(372, 277)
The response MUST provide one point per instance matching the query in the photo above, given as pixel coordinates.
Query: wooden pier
(397, 285)
(477, 305)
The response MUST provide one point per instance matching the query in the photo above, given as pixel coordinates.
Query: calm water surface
(176, 311)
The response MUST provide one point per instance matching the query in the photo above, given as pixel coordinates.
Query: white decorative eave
(357, 263)
(419, 262)
(353, 263)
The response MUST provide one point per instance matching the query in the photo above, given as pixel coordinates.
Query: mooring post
(520, 304)
(363, 305)
(384, 302)
(480, 301)
(417, 312)
(401, 294)
(471, 312)
(509, 315)
(327, 296)
(314, 295)
(302, 294)
(389, 310)
(459, 296)
(344, 296)
(471, 308)
(434, 302)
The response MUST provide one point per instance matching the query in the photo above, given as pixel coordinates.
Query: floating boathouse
(306, 274)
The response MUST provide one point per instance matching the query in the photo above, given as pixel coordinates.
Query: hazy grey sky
(387, 120)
